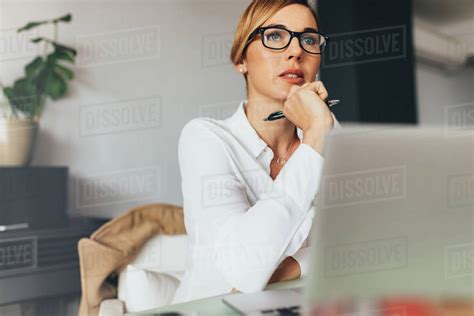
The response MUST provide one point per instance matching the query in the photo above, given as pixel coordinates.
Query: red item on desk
(406, 307)
(397, 306)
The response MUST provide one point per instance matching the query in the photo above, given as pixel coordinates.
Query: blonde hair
(256, 14)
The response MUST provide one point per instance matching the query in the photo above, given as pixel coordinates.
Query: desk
(213, 305)
(39, 268)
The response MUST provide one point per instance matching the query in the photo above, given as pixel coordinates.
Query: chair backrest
(152, 278)
(118, 242)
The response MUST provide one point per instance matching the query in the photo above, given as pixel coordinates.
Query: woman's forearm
(289, 269)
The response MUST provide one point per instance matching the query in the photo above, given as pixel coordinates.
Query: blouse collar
(245, 132)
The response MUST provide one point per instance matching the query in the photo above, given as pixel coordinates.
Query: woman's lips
(297, 80)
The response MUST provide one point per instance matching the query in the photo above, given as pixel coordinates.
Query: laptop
(396, 217)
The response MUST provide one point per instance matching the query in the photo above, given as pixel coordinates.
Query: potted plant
(22, 103)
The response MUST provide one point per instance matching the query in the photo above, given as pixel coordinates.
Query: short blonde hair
(256, 14)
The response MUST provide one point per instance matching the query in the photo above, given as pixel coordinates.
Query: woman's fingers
(295, 88)
(292, 91)
(310, 113)
(316, 86)
(319, 88)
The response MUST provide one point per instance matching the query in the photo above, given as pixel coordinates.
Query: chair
(116, 243)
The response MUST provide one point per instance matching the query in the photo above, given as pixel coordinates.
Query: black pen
(278, 115)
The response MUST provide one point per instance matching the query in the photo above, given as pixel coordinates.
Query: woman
(249, 185)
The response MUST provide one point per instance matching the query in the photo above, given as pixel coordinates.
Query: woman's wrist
(296, 270)
(289, 269)
(316, 138)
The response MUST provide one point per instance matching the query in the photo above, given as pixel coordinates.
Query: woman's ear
(241, 68)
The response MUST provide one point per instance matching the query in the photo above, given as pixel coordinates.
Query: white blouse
(240, 222)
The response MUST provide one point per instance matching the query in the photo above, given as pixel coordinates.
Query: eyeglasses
(279, 38)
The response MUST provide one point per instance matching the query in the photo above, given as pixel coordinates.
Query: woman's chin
(282, 90)
(282, 95)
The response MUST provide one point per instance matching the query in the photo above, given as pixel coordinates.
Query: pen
(278, 115)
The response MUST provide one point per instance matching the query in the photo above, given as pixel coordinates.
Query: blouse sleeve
(249, 241)
(302, 256)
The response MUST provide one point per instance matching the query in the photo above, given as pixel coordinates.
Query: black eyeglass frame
(260, 30)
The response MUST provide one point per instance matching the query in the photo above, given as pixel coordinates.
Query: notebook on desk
(395, 213)
(271, 302)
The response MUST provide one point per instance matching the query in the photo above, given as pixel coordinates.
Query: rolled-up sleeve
(302, 256)
(249, 241)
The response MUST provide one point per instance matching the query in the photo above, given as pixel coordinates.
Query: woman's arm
(302, 256)
(289, 269)
(250, 241)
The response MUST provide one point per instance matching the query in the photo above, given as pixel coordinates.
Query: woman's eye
(310, 40)
(274, 37)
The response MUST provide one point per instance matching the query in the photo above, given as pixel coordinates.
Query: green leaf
(56, 86)
(10, 96)
(61, 48)
(55, 56)
(40, 104)
(21, 99)
(31, 25)
(37, 39)
(64, 71)
(34, 67)
(66, 18)
(9, 93)
(19, 102)
(24, 87)
(41, 39)
(42, 79)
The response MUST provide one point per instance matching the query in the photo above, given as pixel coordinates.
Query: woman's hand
(289, 269)
(306, 106)
(307, 109)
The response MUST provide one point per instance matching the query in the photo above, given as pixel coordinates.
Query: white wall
(442, 93)
(439, 91)
(172, 65)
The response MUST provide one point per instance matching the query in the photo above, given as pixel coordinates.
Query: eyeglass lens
(279, 38)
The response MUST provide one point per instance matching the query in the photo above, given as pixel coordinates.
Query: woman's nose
(294, 49)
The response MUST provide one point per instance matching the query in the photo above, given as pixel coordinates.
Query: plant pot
(17, 139)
